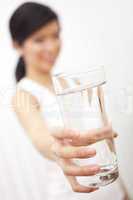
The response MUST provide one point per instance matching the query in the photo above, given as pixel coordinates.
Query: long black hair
(26, 19)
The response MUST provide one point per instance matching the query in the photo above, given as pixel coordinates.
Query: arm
(53, 147)
(28, 111)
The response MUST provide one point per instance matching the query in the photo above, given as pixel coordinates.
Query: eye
(56, 35)
(39, 39)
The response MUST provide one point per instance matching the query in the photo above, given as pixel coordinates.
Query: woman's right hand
(70, 144)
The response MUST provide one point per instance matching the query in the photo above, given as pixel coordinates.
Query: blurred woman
(35, 31)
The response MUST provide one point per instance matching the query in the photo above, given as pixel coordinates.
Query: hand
(71, 144)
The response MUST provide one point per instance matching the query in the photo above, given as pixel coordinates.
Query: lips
(49, 59)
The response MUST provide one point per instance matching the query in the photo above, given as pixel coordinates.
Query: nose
(48, 46)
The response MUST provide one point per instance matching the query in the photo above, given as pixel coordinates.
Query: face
(41, 49)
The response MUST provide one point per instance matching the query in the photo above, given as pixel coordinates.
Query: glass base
(105, 177)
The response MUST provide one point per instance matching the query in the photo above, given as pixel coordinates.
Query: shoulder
(21, 99)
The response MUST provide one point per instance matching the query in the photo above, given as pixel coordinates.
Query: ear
(17, 47)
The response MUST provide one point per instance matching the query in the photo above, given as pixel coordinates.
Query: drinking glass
(81, 100)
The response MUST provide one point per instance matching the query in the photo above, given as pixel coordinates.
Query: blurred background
(93, 33)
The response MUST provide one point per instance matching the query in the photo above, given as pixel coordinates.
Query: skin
(40, 51)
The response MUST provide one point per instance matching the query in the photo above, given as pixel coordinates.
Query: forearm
(37, 131)
(43, 142)
(30, 117)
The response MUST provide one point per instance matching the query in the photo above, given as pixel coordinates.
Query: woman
(35, 32)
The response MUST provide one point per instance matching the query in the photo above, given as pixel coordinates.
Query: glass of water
(81, 101)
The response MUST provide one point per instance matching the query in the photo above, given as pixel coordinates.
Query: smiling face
(41, 49)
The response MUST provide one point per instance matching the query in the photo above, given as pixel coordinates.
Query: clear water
(84, 109)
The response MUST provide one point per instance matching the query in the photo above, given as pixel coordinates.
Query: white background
(93, 33)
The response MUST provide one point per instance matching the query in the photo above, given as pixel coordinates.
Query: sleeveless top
(55, 185)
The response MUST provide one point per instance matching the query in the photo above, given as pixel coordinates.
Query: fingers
(95, 135)
(60, 133)
(69, 152)
(76, 187)
(78, 138)
(71, 169)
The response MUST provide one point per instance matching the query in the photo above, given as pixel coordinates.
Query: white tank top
(46, 99)
(55, 184)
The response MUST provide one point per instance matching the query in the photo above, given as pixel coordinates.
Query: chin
(47, 68)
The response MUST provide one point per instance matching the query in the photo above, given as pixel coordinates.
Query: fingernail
(91, 151)
(94, 189)
(95, 168)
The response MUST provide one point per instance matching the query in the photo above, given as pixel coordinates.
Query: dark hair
(26, 19)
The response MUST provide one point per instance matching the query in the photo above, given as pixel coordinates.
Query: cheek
(58, 46)
(40, 52)
(31, 53)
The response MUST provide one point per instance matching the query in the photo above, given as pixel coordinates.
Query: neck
(44, 79)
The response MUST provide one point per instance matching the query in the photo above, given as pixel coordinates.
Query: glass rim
(90, 69)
